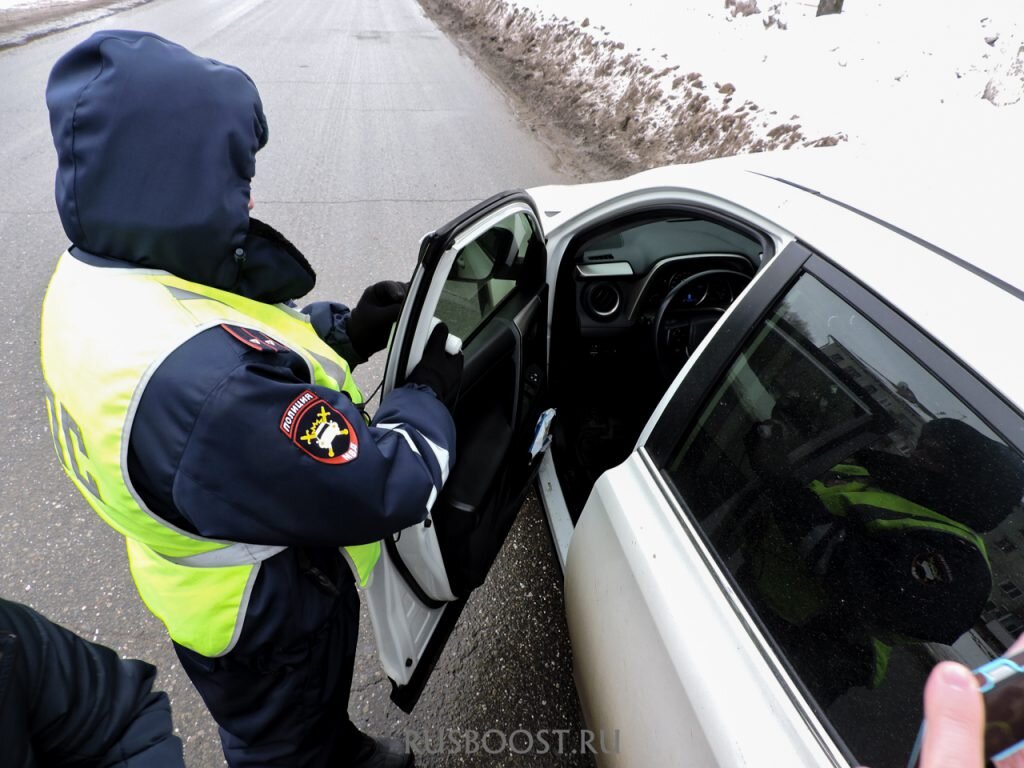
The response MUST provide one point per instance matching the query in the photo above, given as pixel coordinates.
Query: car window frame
(1000, 415)
(433, 248)
(691, 394)
(530, 269)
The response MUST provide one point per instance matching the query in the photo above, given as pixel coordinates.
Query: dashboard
(612, 297)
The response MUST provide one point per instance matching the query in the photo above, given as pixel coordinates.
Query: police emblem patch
(319, 429)
(931, 568)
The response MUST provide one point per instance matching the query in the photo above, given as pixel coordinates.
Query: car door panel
(482, 274)
(491, 418)
(656, 647)
(656, 650)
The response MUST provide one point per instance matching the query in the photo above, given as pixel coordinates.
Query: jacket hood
(156, 150)
(968, 477)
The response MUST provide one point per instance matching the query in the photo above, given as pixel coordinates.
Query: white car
(784, 473)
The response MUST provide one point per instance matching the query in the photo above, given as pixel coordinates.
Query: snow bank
(24, 20)
(881, 71)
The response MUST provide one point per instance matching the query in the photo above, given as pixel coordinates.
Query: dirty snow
(881, 71)
(5, 4)
(25, 20)
(681, 80)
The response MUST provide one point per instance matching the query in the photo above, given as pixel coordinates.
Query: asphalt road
(380, 130)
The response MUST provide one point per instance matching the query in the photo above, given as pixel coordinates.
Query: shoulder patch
(319, 430)
(254, 339)
(931, 568)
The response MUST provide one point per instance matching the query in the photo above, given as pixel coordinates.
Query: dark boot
(383, 753)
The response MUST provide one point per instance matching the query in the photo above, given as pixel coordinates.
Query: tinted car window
(867, 514)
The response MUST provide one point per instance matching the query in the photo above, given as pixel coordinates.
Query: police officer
(205, 418)
(66, 701)
(882, 550)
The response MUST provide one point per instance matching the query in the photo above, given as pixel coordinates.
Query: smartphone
(1002, 686)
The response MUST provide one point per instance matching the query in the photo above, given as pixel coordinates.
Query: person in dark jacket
(209, 421)
(66, 701)
(881, 551)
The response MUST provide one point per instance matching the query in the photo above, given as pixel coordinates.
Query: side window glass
(484, 273)
(870, 518)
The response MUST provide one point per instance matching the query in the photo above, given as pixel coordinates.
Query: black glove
(370, 322)
(439, 370)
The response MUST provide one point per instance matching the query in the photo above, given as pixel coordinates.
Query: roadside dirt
(18, 25)
(606, 112)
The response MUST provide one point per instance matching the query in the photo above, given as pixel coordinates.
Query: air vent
(602, 301)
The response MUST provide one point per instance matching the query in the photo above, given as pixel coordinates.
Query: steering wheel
(678, 330)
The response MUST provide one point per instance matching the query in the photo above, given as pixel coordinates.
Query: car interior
(633, 298)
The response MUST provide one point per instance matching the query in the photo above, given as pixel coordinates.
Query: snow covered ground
(767, 73)
(687, 79)
(24, 20)
(879, 67)
(5, 4)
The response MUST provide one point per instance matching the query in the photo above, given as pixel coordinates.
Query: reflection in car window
(867, 514)
(483, 274)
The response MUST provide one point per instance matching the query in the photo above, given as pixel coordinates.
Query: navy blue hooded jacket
(156, 150)
(66, 701)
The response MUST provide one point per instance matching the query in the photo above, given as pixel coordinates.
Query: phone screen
(1002, 683)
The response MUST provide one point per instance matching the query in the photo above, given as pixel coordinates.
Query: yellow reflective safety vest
(105, 330)
(793, 591)
(890, 512)
(797, 594)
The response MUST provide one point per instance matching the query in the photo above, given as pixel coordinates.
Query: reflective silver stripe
(441, 456)
(233, 554)
(400, 430)
(333, 370)
(243, 608)
(129, 420)
(183, 295)
(355, 569)
(290, 310)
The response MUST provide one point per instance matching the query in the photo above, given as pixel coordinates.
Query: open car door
(483, 274)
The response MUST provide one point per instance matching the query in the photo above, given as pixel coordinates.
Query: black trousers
(288, 708)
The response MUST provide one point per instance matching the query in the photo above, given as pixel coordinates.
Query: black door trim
(1002, 416)
(715, 360)
(440, 240)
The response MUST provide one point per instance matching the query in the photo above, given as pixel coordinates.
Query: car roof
(967, 206)
(934, 235)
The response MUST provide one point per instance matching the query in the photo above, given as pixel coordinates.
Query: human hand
(955, 715)
(378, 309)
(437, 369)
